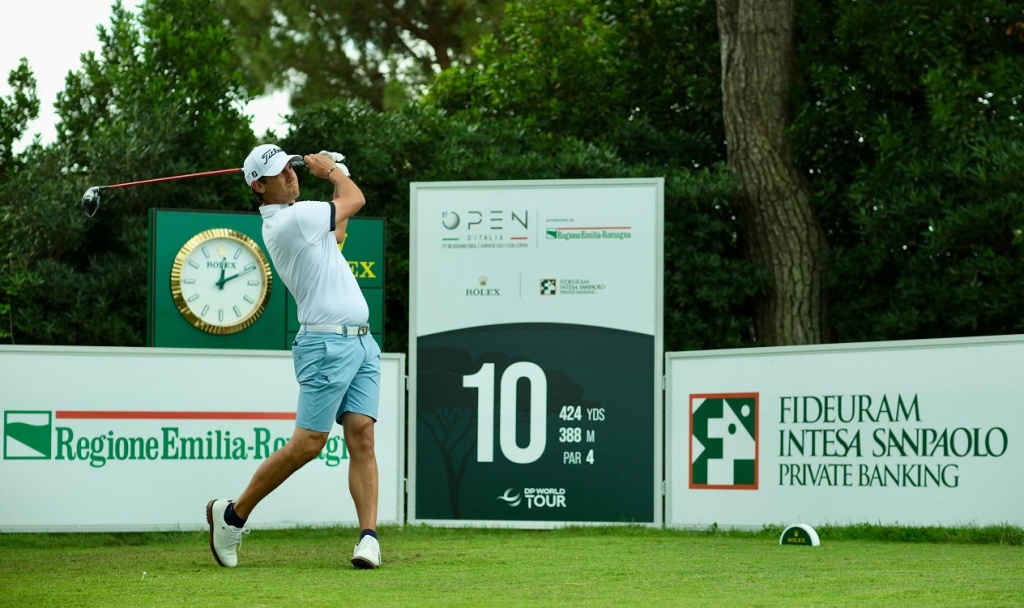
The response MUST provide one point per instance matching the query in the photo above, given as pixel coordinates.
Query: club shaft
(158, 180)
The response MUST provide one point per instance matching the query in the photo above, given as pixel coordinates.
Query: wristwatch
(221, 281)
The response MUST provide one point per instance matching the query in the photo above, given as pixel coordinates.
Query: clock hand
(221, 282)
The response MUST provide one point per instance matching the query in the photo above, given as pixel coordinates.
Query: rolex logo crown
(222, 250)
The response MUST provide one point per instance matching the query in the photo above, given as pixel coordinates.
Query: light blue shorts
(336, 374)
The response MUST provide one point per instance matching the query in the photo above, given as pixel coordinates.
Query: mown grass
(602, 566)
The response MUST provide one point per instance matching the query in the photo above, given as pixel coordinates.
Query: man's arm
(339, 231)
(347, 197)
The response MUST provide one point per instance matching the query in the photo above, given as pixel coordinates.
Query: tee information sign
(535, 333)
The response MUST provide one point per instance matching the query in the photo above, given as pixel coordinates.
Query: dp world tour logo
(27, 435)
(513, 500)
(723, 441)
(535, 498)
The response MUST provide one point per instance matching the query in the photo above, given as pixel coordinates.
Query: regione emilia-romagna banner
(139, 439)
(918, 433)
(535, 341)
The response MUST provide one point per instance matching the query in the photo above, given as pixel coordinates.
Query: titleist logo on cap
(270, 154)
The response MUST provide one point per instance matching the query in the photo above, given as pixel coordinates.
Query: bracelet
(328, 176)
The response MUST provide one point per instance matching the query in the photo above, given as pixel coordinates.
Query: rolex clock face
(221, 281)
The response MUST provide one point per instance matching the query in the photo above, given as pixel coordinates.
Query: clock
(220, 281)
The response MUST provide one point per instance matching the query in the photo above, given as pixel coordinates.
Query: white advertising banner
(535, 352)
(899, 433)
(134, 439)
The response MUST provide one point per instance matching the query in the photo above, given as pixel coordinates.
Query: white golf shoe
(367, 553)
(225, 539)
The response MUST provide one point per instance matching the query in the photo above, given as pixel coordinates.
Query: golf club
(91, 198)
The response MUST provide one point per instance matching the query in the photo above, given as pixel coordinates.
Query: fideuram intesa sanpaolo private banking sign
(903, 433)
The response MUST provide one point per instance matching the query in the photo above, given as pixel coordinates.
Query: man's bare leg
(300, 449)
(362, 468)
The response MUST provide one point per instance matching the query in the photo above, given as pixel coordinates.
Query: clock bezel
(179, 261)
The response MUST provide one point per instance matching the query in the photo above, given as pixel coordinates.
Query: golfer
(337, 361)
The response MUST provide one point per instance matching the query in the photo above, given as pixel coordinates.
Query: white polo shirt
(300, 239)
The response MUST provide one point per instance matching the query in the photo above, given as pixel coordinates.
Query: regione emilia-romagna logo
(27, 435)
(723, 441)
(574, 233)
(105, 438)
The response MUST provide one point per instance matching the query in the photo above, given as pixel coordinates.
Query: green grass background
(601, 566)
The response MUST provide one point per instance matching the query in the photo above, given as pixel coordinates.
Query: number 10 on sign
(483, 381)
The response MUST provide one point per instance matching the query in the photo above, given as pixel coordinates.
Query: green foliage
(16, 111)
(380, 52)
(36, 224)
(911, 124)
(709, 287)
(552, 63)
(162, 98)
(640, 76)
(942, 248)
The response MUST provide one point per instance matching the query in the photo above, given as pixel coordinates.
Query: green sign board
(176, 238)
(535, 422)
(535, 352)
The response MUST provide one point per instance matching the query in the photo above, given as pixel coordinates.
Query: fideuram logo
(723, 441)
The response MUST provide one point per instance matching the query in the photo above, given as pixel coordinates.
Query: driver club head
(91, 201)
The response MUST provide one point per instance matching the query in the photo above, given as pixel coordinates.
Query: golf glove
(338, 159)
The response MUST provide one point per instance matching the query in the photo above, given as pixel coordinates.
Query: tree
(381, 52)
(16, 111)
(638, 75)
(163, 97)
(909, 118)
(780, 231)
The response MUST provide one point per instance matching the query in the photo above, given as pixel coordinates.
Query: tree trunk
(780, 231)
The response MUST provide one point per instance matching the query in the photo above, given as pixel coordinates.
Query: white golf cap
(266, 160)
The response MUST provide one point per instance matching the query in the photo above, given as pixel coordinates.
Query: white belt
(345, 330)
